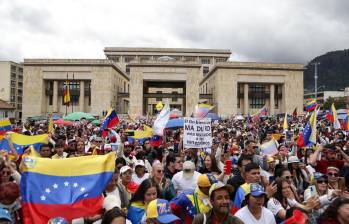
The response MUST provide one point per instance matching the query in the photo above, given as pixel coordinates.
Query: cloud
(271, 30)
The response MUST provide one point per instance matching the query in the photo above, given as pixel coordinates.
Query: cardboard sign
(197, 133)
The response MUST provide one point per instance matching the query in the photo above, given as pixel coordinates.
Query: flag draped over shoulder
(69, 188)
(22, 141)
(5, 126)
(110, 121)
(161, 121)
(66, 94)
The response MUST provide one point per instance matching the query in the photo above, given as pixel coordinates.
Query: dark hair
(279, 170)
(46, 145)
(145, 185)
(112, 214)
(60, 143)
(330, 214)
(251, 166)
(244, 157)
(278, 194)
(214, 166)
(120, 160)
(249, 142)
(171, 158)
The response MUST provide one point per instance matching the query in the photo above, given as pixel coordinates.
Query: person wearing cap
(187, 204)
(139, 175)
(186, 179)
(220, 212)
(5, 217)
(255, 212)
(300, 174)
(158, 212)
(334, 179)
(126, 180)
(330, 158)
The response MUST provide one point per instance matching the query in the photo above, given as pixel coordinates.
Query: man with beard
(220, 212)
(330, 158)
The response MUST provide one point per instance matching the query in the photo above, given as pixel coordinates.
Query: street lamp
(315, 77)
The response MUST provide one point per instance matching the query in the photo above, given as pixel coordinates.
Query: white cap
(124, 169)
(293, 159)
(139, 163)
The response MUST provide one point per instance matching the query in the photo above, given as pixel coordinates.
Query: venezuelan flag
(110, 121)
(156, 140)
(201, 110)
(242, 191)
(69, 188)
(136, 211)
(310, 106)
(5, 126)
(20, 142)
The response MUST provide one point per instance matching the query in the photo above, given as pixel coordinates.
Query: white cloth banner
(197, 133)
(161, 121)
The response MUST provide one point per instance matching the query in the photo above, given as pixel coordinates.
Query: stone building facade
(134, 80)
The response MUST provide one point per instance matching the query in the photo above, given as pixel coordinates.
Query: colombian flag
(110, 121)
(5, 126)
(66, 94)
(310, 106)
(20, 142)
(69, 188)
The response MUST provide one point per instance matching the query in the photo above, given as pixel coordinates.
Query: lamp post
(315, 77)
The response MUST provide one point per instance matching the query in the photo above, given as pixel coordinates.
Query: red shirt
(321, 166)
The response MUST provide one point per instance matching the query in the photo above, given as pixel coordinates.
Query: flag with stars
(69, 188)
(110, 121)
(21, 142)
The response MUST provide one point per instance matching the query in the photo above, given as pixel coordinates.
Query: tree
(339, 102)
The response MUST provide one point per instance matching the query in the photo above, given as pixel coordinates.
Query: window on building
(50, 100)
(221, 59)
(114, 58)
(127, 70)
(189, 58)
(174, 99)
(206, 90)
(13, 68)
(128, 88)
(205, 70)
(74, 89)
(205, 61)
(124, 90)
(5, 113)
(145, 58)
(277, 95)
(239, 90)
(128, 59)
(257, 99)
(159, 98)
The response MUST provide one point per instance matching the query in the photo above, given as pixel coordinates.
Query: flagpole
(72, 101)
(66, 107)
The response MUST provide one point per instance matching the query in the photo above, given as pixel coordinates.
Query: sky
(280, 31)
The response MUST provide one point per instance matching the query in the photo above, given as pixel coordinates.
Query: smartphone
(271, 179)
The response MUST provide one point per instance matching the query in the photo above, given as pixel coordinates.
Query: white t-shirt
(267, 216)
(181, 184)
(138, 180)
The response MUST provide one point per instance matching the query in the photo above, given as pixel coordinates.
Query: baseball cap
(160, 209)
(206, 180)
(188, 169)
(4, 214)
(124, 169)
(318, 175)
(293, 159)
(220, 185)
(256, 190)
(139, 163)
(57, 220)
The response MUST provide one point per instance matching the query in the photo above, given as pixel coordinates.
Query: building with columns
(134, 80)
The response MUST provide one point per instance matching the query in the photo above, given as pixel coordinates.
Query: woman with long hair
(336, 213)
(147, 191)
(284, 200)
(210, 166)
(299, 173)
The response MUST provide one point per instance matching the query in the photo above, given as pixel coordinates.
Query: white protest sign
(197, 133)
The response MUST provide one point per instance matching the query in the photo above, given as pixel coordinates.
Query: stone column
(246, 105)
(82, 96)
(136, 92)
(271, 99)
(55, 96)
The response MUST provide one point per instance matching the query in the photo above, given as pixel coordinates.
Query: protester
(140, 173)
(336, 213)
(186, 179)
(158, 212)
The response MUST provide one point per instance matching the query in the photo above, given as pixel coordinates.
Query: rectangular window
(114, 58)
(205, 70)
(127, 70)
(205, 61)
(128, 59)
(159, 98)
(258, 96)
(50, 100)
(221, 59)
(189, 58)
(174, 99)
(145, 58)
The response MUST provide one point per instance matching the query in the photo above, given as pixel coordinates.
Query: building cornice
(166, 64)
(75, 62)
(253, 66)
(169, 50)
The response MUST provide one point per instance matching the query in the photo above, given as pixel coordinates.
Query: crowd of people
(168, 183)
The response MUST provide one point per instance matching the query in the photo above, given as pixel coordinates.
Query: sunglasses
(8, 173)
(333, 174)
(287, 177)
(187, 170)
(160, 171)
(322, 181)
